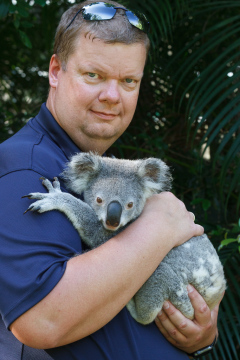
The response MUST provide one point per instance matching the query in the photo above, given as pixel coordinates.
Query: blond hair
(116, 30)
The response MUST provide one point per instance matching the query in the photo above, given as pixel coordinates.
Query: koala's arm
(98, 284)
(78, 212)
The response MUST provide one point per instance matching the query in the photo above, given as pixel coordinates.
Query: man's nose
(110, 92)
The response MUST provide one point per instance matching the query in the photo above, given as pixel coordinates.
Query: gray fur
(127, 182)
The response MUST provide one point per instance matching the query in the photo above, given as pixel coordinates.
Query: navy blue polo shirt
(35, 247)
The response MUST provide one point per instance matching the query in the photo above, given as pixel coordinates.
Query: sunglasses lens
(139, 20)
(98, 11)
(105, 11)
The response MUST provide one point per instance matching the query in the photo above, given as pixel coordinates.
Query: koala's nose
(114, 212)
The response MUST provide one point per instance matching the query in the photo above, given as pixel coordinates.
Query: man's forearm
(94, 288)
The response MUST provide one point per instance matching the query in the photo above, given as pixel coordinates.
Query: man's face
(94, 99)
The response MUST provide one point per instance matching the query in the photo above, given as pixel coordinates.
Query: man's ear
(54, 68)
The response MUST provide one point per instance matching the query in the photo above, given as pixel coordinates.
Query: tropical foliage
(188, 111)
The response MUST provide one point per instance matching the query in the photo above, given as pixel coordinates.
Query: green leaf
(25, 39)
(16, 22)
(227, 242)
(206, 204)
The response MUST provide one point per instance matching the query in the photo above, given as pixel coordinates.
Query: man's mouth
(105, 115)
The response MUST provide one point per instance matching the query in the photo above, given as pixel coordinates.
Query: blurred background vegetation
(188, 112)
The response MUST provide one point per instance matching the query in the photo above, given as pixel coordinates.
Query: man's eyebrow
(93, 68)
(98, 69)
(135, 76)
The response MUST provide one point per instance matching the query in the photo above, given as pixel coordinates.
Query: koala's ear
(80, 170)
(155, 175)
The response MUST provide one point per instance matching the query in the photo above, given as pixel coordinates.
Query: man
(75, 306)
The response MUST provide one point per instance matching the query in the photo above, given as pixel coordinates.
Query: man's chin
(103, 132)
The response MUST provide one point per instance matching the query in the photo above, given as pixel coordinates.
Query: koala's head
(116, 189)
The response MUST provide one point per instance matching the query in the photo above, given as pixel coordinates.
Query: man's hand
(189, 335)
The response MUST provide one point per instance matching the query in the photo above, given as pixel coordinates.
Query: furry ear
(80, 170)
(156, 176)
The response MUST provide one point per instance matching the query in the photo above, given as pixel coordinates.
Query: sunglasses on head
(98, 11)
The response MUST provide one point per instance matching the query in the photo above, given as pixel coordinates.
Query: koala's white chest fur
(115, 192)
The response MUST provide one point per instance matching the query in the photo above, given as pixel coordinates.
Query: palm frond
(228, 345)
(208, 75)
(162, 15)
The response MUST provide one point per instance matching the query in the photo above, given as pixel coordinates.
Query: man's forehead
(92, 42)
(102, 56)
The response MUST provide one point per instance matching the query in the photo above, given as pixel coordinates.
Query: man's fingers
(173, 323)
(160, 326)
(202, 313)
(199, 230)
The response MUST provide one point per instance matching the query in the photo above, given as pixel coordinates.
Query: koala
(114, 193)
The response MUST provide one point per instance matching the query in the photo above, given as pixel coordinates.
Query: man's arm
(99, 283)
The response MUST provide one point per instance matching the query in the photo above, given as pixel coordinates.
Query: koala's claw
(26, 196)
(32, 208)
(56, 183)
(46, 201)
(32, 196)
(27, 209)
(51, 187)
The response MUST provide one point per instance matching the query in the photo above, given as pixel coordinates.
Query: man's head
(95, 75)
(118, 30)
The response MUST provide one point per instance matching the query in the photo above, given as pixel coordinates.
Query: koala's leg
(79, 213)
(148, 301)
(164, 284)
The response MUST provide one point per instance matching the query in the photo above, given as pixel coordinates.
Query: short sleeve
(34, 248)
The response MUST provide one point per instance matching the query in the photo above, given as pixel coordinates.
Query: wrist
(203, 351)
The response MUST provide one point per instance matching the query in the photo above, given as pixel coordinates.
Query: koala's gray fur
(123, 186)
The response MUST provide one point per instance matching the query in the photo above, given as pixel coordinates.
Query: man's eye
(129, 81)
(92, 75)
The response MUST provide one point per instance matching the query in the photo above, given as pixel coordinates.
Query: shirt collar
(50, 127)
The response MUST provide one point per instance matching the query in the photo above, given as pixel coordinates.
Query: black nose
(114, 212)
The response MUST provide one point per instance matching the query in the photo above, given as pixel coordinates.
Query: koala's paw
(46, 201)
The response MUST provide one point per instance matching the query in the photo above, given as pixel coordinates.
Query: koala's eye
(130, 205)
(99, 200)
